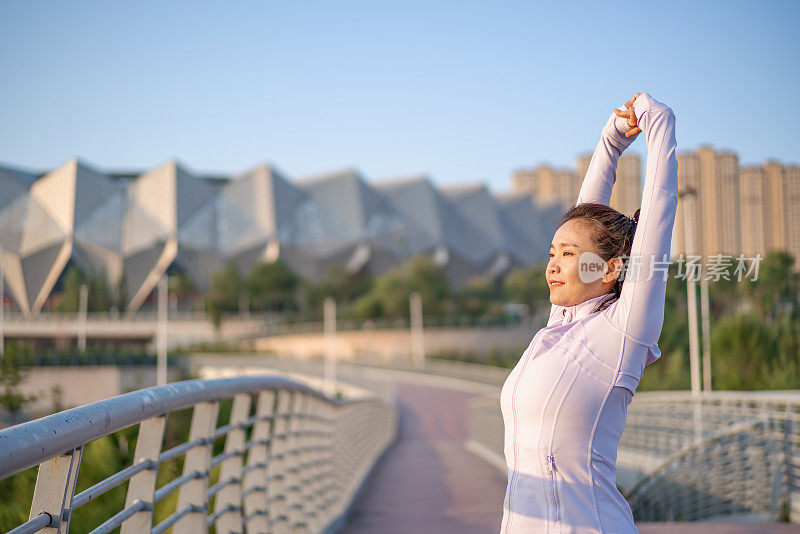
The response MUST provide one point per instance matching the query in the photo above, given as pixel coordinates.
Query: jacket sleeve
(639, 312)
(602, 171)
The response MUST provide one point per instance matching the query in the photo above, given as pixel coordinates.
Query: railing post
(295, 471)
(55, 487)
(198, 460)
(254, 494)
(278, 463)
(230, 495)
(313, 478)
(142, 485)
(791, 445)
(325, 473)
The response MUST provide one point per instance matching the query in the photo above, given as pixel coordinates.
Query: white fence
(293, 459)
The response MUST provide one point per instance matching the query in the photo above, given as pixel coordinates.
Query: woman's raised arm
(639, 313)
(602, 171)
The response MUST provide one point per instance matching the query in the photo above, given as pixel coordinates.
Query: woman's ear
(613, 270)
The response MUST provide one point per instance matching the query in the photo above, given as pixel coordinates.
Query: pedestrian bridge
(290, 458)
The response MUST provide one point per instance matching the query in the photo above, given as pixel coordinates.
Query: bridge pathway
(428, 482)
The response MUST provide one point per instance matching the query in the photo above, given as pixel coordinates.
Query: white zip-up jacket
(565, 402)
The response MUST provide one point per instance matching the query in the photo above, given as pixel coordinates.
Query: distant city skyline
(750, 209)
(458, 91)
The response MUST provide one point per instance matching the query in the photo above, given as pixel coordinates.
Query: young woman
(564, 404)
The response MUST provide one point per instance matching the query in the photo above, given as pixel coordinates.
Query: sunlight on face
(567, 286)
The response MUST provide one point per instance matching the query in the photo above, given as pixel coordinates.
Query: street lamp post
(161, 332)
(83, 309)
(705, 324)
(688, 195)
(329, 324)
(2, 308)
(694, 343)
(417, 333)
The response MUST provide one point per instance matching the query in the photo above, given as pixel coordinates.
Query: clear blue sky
(462, 91)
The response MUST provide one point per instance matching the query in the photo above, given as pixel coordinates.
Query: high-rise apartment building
(750, 211)
(732, 211)
(688, 230)
(626, 196)
(770, 203)
(774, 215)
(714, 179)
(561, 186)
(548, 186)
(752, 196)
(791, 176)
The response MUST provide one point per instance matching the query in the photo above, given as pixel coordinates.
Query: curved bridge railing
(720, 454)
(714, 455)
(293, 459)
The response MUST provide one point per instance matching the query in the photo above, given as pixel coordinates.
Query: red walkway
(428, 482)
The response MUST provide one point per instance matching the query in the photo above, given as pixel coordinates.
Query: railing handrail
(776, 395)
(29, 444)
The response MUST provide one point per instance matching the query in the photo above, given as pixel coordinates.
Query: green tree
(340, 284)
(478, 297)
(430, 281)
(744, 349)
(674, 339)
(272, 286)
(390, 292)
(73, 279)
(223, 294)
(181, 285)
(388, 298)
(99, 298)
(528, 286)
(776, 289)
(14, 359)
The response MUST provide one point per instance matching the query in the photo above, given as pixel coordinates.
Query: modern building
(560, 187)
(770, 209)
(713, 177)
(752, 196)
(132, 227)
(732, 211)
(750, 210)
(626, 196)
(548, 186)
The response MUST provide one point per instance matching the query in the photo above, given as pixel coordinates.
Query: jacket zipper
(551, 464)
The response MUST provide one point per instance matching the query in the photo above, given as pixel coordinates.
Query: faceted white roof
(133, 226)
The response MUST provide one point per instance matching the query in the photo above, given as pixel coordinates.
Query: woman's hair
(611, 233)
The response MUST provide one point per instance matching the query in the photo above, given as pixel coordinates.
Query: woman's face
(575, 272)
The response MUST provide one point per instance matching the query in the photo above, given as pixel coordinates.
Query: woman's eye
(567, 253)
(551, 254)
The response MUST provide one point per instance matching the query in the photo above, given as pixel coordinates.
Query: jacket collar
(581, 309)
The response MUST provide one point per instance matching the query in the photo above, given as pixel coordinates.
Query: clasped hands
(630, 116)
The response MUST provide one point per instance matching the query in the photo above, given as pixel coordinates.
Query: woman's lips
(556, 283)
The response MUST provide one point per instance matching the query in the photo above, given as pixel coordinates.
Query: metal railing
(275, 323)
(720, 454)
(293, 459)
(717, 454)
(314, 366)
